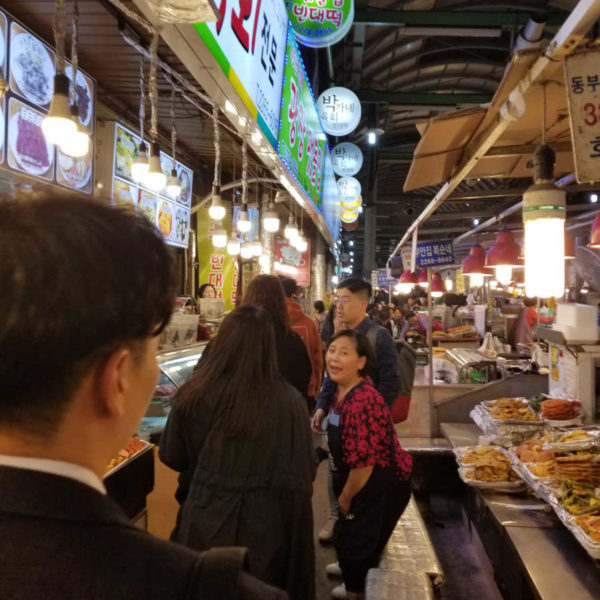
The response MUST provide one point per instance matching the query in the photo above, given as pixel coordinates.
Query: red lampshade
(422, 278)
(595, 233)
(408, 277)
(474, 264)
(569, 246)
(437, 285)
(505, 252)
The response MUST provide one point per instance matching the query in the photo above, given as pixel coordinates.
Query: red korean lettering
(237, 23)
(293, 110)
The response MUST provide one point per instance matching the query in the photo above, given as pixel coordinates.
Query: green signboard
(320, 23)
(302, 142)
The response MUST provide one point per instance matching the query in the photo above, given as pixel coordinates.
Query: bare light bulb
(219, 238)
(291, 230)
(233, 246)
(139, 165)
(216, 211)
(246, 250)
(243, 224)
(173, 187)
(271, 219)
(57, 125)
(155, 178)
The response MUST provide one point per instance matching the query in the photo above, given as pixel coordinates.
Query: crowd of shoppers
(238, 432)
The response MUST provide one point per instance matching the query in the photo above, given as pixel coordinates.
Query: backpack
(407, 361)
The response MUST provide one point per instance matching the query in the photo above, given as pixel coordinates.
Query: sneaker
(326, 534)
(339, 592)
(333, 569)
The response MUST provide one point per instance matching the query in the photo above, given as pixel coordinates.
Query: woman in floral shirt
(371, 471)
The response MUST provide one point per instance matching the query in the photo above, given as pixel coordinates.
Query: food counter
(532, 554)
(175, 367)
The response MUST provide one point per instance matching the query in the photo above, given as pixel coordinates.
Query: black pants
(362, 536)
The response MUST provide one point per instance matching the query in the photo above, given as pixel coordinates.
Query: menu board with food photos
(29, 65)
(170, 215)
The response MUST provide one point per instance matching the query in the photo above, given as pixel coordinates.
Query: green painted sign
(302, 141)
(320, 23)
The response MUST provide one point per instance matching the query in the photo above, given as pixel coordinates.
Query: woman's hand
(344, 503)
(316, 423)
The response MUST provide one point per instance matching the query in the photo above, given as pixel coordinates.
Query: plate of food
(31, 67)
(84, 95)
(579, 498)
(468, 456)
(126, 147)
(165, 218)
(181, 224)
(575, 439)
(147, 205)
(492, 477)
(75, 172)
(511, 409)
(185, 181)
(28, 145)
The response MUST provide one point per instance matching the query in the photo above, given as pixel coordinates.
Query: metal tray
(510, 487)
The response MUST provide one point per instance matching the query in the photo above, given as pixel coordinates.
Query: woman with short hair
(371, 472)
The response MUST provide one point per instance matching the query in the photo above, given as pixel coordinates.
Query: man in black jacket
(86, 290)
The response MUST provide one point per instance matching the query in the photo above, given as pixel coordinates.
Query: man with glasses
(352, 300)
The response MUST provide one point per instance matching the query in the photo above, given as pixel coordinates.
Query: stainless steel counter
(553, 564)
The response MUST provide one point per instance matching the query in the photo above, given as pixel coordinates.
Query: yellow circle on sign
(351, 204)
(349, 216)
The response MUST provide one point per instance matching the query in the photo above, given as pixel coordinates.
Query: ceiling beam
(433, 18)
(421, 100)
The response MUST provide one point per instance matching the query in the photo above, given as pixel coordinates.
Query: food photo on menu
(3, 37)
(84, 92)
(147, 204)
(126, 145)
(74, 172)
(165, 218)
(124, 194)
(28, 149)
(184, 178)
(31, 67)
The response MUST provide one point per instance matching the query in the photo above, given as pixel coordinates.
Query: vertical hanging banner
(302, 142)
(582, 77)
(320, 23)
(215, 266)
(248, 42)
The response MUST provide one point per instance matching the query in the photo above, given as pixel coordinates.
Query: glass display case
(175, 367)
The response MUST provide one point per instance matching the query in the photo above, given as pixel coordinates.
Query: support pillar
(370, 235)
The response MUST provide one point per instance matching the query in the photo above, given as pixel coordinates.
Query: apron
(359, 533)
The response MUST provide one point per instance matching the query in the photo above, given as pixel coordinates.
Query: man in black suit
(86, 290)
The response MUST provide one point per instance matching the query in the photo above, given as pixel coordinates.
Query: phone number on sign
(264, 108)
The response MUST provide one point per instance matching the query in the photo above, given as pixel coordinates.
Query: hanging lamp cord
(244, 174)
(74, 55)
(142, 99)
(173, 128)
(152, 85)
(59, 35)
(216, 178)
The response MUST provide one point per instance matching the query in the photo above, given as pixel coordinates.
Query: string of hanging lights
(173, 187)
(139, 166)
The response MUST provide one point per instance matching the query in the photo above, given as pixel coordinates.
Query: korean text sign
(301, 139)
(435, 254)
(287, 255)
(215, 266)
(582, 77)
(249, 42)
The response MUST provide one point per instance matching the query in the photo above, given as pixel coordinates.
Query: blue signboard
(383, 281)
(435, 254)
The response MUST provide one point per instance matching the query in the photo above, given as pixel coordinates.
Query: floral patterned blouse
(365, 431)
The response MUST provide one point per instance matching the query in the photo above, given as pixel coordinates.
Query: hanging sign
(170, 215)
(215, 266)
(302, 143)
(349, 189)
(347, 159)
(248, 42)
(582, 76)
(349, 216)
(339, 110)
(383, 281)
(434, 254)
(351, 204)
(290, 261)
(320, 23)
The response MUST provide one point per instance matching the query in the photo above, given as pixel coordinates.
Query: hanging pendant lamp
(474, 266)
(503, 256)
(406, 282)
(437, 286)
(595, 234)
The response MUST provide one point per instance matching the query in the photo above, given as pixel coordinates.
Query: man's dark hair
(319, 306)
(357, 286)
(289, 285)
(79, 279)
(363, 348)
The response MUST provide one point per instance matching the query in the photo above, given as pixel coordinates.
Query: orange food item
(558, 409)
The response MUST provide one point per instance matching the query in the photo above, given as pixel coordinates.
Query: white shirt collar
(55, 467)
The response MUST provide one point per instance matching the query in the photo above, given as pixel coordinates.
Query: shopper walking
(77, 374)
(320, 314)
(305, 327)
(294, 361)
(239, 436)
(370, 470)
(352, 301)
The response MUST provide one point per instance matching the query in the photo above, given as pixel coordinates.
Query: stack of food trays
(488, 467)
(564, 469)
(508, 421)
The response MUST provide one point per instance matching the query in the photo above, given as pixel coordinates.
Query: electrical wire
(152, 86)
(59, 35)
(74, 55)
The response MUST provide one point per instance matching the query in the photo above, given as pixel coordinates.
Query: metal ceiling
(407, 62)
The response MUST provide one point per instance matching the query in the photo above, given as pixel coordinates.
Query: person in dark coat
(239, 436)
(294, 362)
(77, 374)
